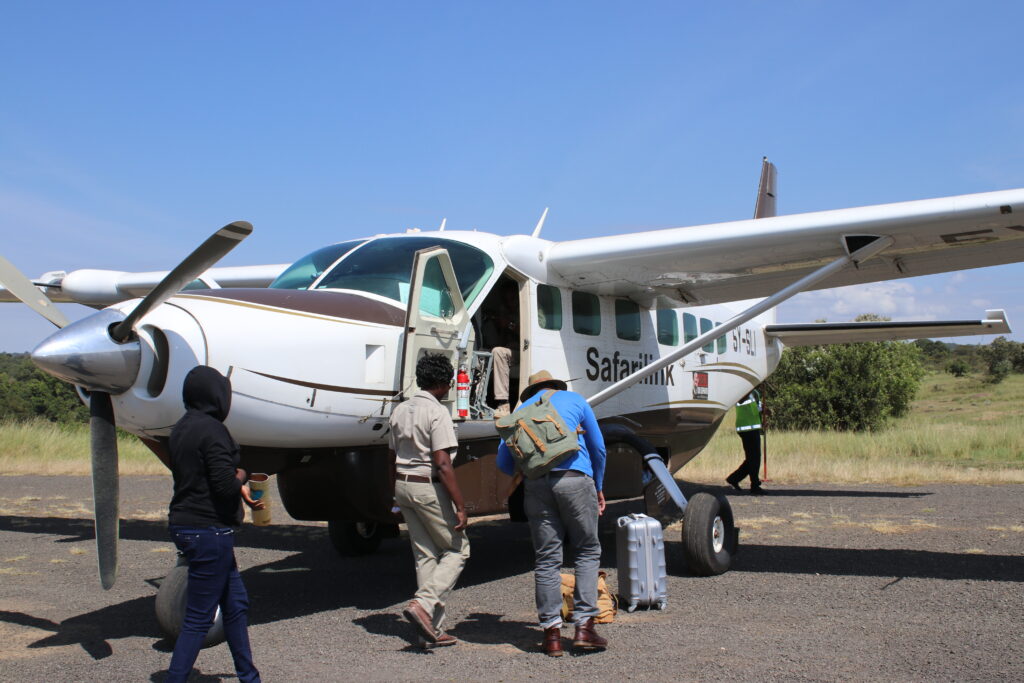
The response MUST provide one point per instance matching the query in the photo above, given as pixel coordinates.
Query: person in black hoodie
(205, 511)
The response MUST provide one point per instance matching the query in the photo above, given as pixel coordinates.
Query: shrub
(957, 368)
(843, 387)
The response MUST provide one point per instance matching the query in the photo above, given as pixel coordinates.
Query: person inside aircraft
(499, 334)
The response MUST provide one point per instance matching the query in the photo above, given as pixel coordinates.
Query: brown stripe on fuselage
(319, 302)
(326, 387)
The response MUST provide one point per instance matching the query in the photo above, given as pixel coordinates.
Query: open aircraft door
(436, 320)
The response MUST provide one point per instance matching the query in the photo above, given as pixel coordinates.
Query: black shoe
(733, 483)
(757, 490)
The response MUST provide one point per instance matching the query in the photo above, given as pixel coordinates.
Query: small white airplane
(320, 351)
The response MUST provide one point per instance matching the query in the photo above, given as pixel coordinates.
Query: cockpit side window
(383, 267)
(302, 273)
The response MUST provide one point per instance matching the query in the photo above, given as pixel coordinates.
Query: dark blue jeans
(213, 579)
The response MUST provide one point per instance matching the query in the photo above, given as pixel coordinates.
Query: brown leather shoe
(421, 620)
(586, 637)
(443, 640)
(553, 641)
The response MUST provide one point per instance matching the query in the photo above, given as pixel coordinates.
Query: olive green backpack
(538, 437)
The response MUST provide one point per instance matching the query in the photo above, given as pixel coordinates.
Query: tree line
(27, 393)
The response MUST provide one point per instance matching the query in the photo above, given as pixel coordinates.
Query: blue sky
(130, 131)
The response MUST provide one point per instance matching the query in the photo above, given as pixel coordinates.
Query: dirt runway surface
(832, 583)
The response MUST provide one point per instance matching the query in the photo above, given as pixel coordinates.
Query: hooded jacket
(204, 456)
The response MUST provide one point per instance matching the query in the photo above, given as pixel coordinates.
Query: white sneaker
(501, 411)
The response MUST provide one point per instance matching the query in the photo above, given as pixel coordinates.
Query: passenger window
(549, 307)
(668, 327)
(720, 342)
(706, 326)
(586, 313)
(689, 327)
(627, 320)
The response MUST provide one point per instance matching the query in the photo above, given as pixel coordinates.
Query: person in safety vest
(748, 426)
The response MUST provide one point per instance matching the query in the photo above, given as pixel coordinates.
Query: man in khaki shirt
(422, 439)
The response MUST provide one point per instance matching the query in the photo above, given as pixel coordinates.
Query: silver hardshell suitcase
(640, 554)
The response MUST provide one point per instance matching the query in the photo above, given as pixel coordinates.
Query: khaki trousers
(502, 359)
(439, 550)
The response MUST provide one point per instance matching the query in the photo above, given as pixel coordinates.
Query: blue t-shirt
(574, 409)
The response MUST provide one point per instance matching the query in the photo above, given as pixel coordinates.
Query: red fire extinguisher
(462, 392)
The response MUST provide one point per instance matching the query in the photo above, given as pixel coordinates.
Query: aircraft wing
(105, 287)
(810, 334)
(753, 258)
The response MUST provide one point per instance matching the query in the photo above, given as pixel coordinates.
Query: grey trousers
(440, 551)
(563, 509)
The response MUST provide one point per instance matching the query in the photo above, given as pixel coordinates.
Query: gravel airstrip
(833, 582)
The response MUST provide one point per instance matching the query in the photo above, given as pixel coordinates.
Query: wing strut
(859, 256)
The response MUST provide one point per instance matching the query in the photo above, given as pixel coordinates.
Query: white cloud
(897, 300)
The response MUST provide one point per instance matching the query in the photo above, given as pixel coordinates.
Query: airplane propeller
(21, 287)
(101, 354)
(198, 262)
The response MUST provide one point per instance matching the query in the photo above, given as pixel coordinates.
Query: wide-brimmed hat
(541, 379)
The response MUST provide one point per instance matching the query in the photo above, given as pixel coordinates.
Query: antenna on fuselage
(540, 223)
(443, 222)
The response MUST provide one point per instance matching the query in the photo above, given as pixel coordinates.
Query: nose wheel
(170, 606)
(355, 538)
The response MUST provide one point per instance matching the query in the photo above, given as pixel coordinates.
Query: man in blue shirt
(566, 502)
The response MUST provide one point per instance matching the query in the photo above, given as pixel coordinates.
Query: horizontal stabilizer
(810, 334)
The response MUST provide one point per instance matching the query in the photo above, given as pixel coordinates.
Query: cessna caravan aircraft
(663, 331)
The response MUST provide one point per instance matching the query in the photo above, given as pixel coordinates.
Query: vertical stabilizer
(765, 207)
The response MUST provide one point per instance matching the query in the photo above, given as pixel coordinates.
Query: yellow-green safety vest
(748, 413)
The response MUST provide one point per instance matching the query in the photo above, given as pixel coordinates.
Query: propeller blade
(105, 493)
(21, 287)
(198, 262)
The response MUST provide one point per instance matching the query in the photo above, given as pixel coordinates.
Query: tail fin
(765, 207)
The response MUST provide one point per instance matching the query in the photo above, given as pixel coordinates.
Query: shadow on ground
(313, 579)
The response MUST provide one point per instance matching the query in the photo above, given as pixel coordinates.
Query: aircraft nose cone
(83, 353)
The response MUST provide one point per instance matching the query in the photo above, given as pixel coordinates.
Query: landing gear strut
(710, 538)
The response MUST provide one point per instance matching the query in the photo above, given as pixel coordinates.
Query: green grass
(958, 430)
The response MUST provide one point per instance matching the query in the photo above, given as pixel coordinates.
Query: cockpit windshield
(305, 271)
(383, 267)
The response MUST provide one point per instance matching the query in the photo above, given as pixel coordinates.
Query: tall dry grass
(42, 447)
(959, 430)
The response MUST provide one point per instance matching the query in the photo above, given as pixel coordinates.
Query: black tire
(709, 535)
(170, 607)
(355, 538)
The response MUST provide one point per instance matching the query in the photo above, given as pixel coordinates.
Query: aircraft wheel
(354, 538)
(709, 535)
(170, 606)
